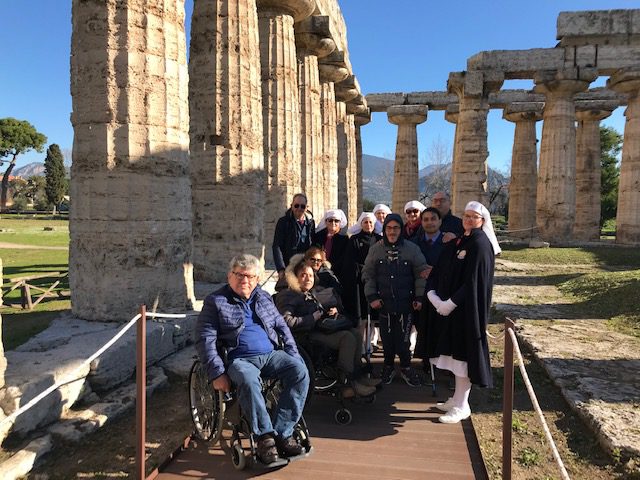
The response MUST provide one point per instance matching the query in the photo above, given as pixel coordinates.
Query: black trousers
(395, 330)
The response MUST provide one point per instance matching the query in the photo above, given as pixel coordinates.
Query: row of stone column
(178, 166)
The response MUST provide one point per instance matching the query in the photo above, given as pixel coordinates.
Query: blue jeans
(291, 371)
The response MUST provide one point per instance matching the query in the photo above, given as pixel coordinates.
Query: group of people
(430, 269)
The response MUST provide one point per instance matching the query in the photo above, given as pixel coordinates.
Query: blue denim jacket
(222, 319)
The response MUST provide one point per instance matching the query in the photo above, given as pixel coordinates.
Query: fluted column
(360, 121)
(227, 163)
(313, 41)
(524, 174)
(628, 216)
(346, 174)
(405, 170)
(451, 115)
(469, 173)
(130, 225)
(588, 174)
(556, 191)
(280, 104)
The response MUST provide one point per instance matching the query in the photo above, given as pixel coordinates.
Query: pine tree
(610, 146)
(54, 174)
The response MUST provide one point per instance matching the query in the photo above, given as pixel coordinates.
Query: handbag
(334, 324)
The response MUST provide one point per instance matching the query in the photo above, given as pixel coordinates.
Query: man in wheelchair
(241, 318)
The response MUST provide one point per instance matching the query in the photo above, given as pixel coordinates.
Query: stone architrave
(280, 105)
(627, 81)
(347, 163)
(227, 162)
(556, 190)
(469, 173)
(130, 226)
(588, 177)
(405, 174)
(360, 121)
(313, 41)
(524, 169)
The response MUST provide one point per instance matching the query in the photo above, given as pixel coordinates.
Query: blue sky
(404, 45)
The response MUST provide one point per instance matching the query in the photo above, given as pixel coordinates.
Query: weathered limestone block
(312, 42)
(405, 175)
(613, 27)
(347, 163)
(628, 217)
(587, 220)
(23, 462)
(556, 190)
(451, 115)
(130, 226)
(280, 104)
(524, 175)
(469, 175)
(329, 173)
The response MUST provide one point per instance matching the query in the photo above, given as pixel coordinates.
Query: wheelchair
(212, 411)
(325, 377)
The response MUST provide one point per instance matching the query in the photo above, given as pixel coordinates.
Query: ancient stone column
(227, 162)
(280, 105)
(556, 191)
(628, 216)
(347, 163)
(469, 173)
(588, 177)
(332, 69)
(360, 120)
(130, 224)
(313, 41)
(451, 115)
(405, 171)
(524, 169)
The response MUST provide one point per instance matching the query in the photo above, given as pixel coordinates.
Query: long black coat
(357, 250)
(464, 273)
(338, 251)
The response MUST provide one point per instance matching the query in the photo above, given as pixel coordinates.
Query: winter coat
(338, 250)
(286, 238)
(357, 251)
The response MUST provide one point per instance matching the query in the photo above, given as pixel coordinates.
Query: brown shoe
(266, 450)
(288, 447)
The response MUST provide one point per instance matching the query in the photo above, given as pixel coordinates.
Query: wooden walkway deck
(398, 437)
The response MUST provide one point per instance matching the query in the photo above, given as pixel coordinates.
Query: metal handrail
(511, 345)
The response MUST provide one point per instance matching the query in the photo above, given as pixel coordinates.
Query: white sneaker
(455, 415)
(444, 407)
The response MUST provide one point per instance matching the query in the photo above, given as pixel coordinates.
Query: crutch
(367, 332)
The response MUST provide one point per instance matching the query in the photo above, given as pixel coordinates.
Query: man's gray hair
(244, 261)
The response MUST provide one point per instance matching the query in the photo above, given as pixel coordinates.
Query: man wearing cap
(293, 234)
(394, 287)
(451, 225)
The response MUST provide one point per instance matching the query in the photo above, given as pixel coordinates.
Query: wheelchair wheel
(237, 457)
(343, 416)
(206, 405)
(301, 435)
(312, 377)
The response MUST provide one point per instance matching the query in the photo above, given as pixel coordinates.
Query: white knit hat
(487, 226)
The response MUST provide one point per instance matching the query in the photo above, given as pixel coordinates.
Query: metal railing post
(141, 394)
(507, 407)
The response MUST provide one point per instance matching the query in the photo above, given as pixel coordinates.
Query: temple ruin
(176, 166)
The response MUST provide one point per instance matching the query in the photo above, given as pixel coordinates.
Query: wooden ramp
(398, 437)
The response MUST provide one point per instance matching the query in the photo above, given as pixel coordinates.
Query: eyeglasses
(472, 217)
(413, 210)
(299, 205)
(241, 276)
(315, 260)
(332, 220)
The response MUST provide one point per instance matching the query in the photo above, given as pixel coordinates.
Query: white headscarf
(335, 213)
(380, 207)
(487, 226)
(357, 228)
(414, 204)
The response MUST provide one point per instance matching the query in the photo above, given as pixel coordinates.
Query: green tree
(610, 148)
(16, 137)
(54, 175)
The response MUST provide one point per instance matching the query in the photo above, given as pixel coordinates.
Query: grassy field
(18, 324)
(598, 256)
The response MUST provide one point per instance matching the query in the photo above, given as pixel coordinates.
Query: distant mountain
(34, 169)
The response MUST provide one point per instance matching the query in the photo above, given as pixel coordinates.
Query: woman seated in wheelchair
(241, 318)
(317, 312)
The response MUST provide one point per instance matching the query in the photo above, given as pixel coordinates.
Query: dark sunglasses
(299, 205)
(415, 210)
(333, 220)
